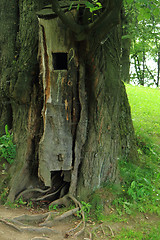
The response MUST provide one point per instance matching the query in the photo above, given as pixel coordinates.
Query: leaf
(126, 36)
(92, 7)
(6, 129)
(70, 7)
(89, 5)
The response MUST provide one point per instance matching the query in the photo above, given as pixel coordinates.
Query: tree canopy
(143, 26)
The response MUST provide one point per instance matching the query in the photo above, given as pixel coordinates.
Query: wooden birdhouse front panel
(58, 71)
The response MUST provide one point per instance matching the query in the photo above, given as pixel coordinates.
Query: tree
(143, 32)
(104, 130)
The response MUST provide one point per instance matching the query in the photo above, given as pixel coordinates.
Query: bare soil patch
(9, 233)
(93, 231)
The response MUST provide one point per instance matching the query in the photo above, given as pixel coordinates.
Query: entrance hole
(60, 61)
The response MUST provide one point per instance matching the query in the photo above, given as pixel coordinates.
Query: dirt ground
(105, 231)
(9, 233)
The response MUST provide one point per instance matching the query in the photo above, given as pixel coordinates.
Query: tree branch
(105, 22)
(76, 28)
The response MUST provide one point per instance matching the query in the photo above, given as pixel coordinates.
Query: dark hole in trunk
(60, 185)
(60, 61)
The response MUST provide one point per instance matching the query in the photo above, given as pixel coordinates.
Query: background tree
(143, 32)
(107, 133)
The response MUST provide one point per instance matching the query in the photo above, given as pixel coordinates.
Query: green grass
(145, 108)
(140, 185)
(146, 233)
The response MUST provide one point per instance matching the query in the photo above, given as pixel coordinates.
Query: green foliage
(142, 26)
(127, 234)
(154, 233)
(144, 234)
(16, 204)
(4, 194)
(7, 147)
(96, 207)
(85, 207)
(53, 207)
(94, 6)
(30, 204)
(21, 202)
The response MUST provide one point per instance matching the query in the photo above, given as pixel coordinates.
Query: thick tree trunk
(19, 84)
(103, 131)
(9, 28)
(109, 131)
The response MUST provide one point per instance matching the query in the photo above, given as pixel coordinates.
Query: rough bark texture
(125, 60)
(19, 84)
(79, 116)
(110, 130)
(126, 45)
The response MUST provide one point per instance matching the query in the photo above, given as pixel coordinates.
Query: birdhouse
(59, 71)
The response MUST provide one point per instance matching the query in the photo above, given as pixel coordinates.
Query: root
(40, 238)
(50, 223)
(81, 212)
(66, 214)
(111, 230)
(47, 220)
(11, 225)
(61, 201)
(48, 195)
(31, 190)
(44, 230)
(73, 229)
(31, 218)
(27, 228)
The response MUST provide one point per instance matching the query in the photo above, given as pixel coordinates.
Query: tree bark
(125, 60)
(110, 132)
(104, 130)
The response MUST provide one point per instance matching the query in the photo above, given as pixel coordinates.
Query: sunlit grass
(145, 109)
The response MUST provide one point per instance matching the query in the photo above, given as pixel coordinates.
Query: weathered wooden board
(58, 66)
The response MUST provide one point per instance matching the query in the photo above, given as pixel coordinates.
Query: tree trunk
(103, 132)
(125, 60)
(109, 131)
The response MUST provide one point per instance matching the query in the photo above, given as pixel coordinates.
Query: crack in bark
(81, 132)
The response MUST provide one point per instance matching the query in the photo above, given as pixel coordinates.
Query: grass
(141, 183)
(145, 108)
(138, 194)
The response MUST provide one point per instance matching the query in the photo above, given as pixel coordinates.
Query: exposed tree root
(31, 190)
(61, 201)
(111, 230)
(47, 220)
(43, 193)
(40, 238)
(97, 227)
(31, 218)
(81, 212)
(11, 225)
(48, 195)
(39, 230)
(73, 229)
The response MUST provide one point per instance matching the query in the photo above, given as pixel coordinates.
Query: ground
(103, 230)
